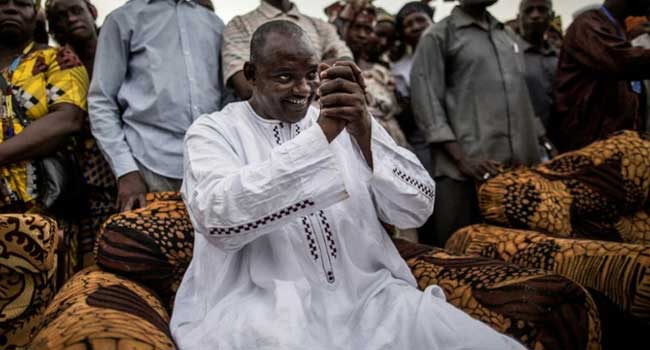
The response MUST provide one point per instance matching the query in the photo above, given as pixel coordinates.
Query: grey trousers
(159, 183)
(456, 207)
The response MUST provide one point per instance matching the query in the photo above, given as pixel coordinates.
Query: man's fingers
(338, 85)
(341, 71)
(341, 99)
(323, 67)
(358, 73)
(348, 114)
(142, 199)
(128, 206)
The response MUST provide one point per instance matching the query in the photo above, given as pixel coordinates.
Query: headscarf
(343, 13)
(384, 16)
(409, 9)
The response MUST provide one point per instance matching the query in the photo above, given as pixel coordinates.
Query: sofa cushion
(101, 311)
(28, 266)
(619, 271)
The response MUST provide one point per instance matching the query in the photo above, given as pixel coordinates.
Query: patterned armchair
(583, 215)
(28, 273)
(153, 246)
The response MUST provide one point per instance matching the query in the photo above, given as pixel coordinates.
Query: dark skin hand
(131, 191)
(343, 104)
(473, 168)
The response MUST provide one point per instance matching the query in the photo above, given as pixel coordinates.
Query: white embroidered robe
(289, 250)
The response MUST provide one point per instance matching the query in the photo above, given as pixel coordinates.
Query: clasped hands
(343, 102)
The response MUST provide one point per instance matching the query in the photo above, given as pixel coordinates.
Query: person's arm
(402, 189)
(42, 137)
(111, 62)
(602, 51)
(65, 115)
(235, 51)
(232, 203)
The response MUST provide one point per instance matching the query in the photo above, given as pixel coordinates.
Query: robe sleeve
(402, 189)
(232, 204)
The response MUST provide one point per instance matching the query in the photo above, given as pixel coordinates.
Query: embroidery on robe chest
(320, 242)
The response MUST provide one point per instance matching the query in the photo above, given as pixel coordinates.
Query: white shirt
(289, 251)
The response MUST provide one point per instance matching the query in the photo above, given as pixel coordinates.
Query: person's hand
(131, 192)
(342, 97)
(479, 170)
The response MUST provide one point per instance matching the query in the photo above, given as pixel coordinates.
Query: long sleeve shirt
(597, 88)
(156, 71)
(468, 86)
(289, 250)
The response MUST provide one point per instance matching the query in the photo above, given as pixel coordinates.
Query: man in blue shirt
(156, 71)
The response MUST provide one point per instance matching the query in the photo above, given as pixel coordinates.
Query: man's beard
(485, 3)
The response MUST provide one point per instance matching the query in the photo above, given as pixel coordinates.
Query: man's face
(360, 33)
(17, 21)
(71, 21)
(385, 36)
(285, 78)
(535, 17)
(479, 3)
(414, 25)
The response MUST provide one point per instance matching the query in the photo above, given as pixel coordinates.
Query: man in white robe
(286, 201)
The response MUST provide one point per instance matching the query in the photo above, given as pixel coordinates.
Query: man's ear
(249, 72)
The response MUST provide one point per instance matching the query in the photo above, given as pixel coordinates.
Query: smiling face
(17, 22)
(284, 77)
(71, 21)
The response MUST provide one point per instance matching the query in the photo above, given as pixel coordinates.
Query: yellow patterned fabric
(28, 266)
(539, 309)
(598, 192)
(43, 78)
(101, 311)
(619, 271)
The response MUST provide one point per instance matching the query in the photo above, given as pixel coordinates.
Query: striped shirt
(239, 31)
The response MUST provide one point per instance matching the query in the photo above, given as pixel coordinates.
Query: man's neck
(618, 9)
(478, 13)
(282, 5)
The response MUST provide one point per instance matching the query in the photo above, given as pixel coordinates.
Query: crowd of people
(94, 123)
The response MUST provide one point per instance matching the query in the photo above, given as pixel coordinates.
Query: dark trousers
(456, 207)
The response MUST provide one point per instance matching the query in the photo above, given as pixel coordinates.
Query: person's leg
(456, 207)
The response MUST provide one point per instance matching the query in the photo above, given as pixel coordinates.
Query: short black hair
(410, 8)
(284, 27)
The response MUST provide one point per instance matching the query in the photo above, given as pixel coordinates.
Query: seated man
(286, 202)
